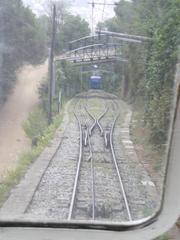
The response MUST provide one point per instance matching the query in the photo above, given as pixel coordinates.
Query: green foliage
(22, 40)
(67, 82)
(14, 176)
(35, 124)
(161, 63)
(49, 132)
(43, 94)
(71, 28)
(68, 79)
(158, 115)
(149, 74)
(163, 237)
(68, 28)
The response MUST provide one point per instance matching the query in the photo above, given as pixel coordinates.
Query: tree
(162, 59)
(22, 40)
(70, 28)
(150, 71)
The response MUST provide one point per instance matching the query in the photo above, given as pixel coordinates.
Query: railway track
(89, 177)
(86, 201)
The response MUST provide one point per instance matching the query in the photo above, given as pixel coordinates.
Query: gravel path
(52, 197)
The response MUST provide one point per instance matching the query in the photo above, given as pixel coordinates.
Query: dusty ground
(13, 140)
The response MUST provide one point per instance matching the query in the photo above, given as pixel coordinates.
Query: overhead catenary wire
(103, 10)
(93, 5)
(104, 4)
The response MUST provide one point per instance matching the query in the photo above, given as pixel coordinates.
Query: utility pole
(93, 18)
(81, 77)
(51, 63)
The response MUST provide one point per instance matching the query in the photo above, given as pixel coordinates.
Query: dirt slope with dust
(13, 140)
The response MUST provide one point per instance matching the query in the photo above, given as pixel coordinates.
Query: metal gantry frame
(103, 47)
(105, 37)
(93, 53)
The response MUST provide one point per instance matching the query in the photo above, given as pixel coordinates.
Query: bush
(163, 237)
(35, 125)
(158, 116)
(27, 158)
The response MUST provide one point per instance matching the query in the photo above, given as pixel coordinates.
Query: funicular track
(85, 204)
(88, 176)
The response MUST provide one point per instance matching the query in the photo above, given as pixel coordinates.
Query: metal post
(124, 82)
(93, 5)
(59, 101)
(54, 80)
(51, 65)
(81, 78)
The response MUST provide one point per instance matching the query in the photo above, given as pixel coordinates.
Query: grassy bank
(27, 158)
(151, 155)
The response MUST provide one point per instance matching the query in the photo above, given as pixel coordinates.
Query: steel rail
(77, 171)
(92, 178)
(98, 123)
(89, 144)
(84, 120)
(117, 170)
(92, 164)
(94, 124)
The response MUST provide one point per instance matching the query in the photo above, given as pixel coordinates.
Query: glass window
(86, 101)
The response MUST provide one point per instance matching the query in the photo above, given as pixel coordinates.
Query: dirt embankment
(24, 97)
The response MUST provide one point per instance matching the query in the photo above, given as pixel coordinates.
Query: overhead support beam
(97, 46)
(128, 40)
(106, 4)
(85, 38)
(93, 53)
(104, 39)
(102, 61)
(129, 36)
(85, 41)
(103, 47)
(99, 70)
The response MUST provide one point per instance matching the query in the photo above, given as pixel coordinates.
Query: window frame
(153, 227)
